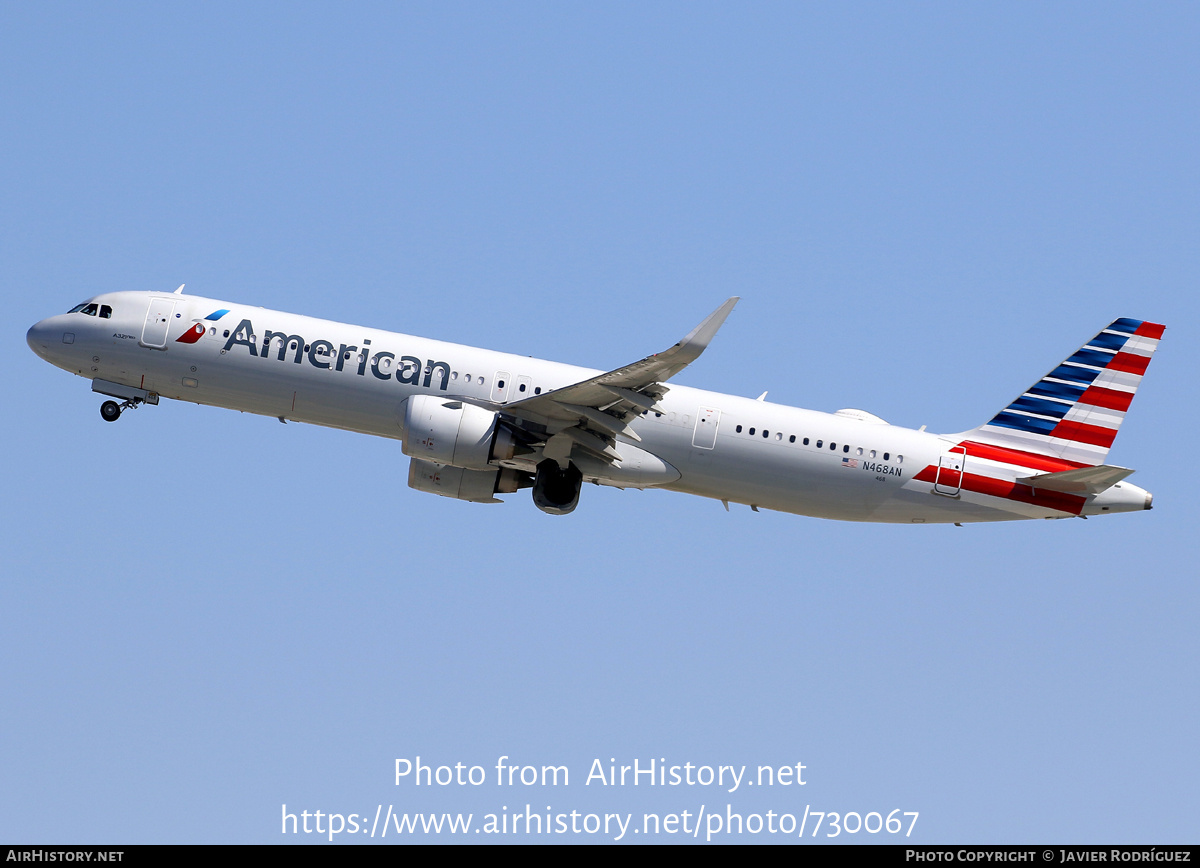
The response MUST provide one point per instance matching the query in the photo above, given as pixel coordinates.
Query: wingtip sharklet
(698, 338)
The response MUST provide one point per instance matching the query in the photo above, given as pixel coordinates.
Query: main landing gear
(110, 411)
(555, 490)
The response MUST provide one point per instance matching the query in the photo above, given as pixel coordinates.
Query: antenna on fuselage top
(180, 290)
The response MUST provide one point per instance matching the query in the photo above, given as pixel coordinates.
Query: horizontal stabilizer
(1082, 480)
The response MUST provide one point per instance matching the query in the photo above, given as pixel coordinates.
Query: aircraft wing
(590, 414)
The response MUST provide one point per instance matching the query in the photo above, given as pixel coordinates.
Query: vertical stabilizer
(1073, 412)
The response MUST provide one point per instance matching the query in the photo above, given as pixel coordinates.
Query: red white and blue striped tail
(1073, 412)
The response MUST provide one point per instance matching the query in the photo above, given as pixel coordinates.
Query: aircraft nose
(36, 337)
(46, 337)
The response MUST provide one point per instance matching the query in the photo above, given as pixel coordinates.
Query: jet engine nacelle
(454, 433)
(460, 483)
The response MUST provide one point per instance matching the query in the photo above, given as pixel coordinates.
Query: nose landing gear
(110, 411)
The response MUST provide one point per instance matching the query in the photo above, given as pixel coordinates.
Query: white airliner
(477, 423)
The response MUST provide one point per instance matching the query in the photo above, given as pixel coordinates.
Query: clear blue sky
(208, 615)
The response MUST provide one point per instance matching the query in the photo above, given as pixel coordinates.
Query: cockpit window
(91, 309)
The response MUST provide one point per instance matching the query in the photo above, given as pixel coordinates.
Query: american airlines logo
(325, 355)
(197, 330)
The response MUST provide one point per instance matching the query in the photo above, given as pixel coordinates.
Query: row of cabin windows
(820, 444)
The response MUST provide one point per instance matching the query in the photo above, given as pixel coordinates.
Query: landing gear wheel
(110, 411)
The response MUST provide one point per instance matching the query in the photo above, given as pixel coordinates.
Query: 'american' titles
(321, 354)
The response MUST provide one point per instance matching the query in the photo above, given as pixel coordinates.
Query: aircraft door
(705, 435)
(158, 320)
(951, 466)
(500, 386)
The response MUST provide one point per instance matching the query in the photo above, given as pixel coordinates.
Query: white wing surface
(592, 413)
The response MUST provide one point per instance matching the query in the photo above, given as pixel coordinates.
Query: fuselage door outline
(705, 435)
(158, 321)
(500, 387)
(951, 467)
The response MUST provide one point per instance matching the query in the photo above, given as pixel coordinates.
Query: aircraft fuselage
(734, 449)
